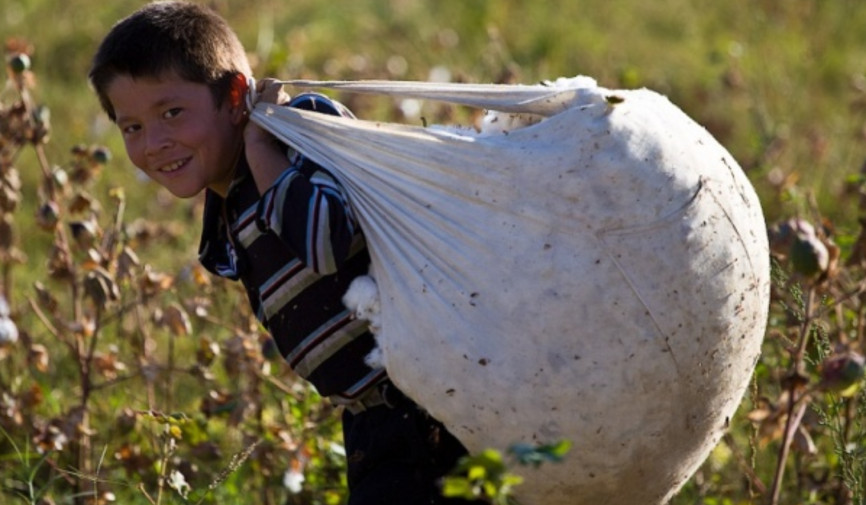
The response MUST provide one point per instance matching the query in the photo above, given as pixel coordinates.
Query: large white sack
(601, 276)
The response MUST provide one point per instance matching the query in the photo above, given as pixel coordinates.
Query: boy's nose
(156, 140)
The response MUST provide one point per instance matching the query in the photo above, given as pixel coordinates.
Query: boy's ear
(238, 92)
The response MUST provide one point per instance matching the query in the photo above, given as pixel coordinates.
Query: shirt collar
(216, 252)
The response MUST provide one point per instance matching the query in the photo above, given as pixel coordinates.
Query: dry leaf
(175, 318)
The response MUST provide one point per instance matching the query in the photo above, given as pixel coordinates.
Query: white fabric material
(601, 276)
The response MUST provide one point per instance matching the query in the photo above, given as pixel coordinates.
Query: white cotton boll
(376, 359)
(439, 73)
(578, 81)
(8, 331)
(178, 482)
(504, 122)
(293, 480)
(410, 107)
(338, 449)
(362, 299)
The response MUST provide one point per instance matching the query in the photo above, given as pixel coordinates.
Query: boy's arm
(265, 155)
(306, 207)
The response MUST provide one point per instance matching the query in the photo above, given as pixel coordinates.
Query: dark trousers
(397, 454)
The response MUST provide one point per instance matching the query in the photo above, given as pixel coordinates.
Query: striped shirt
(296, 248)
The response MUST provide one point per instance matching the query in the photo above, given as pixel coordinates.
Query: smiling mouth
(173, 166)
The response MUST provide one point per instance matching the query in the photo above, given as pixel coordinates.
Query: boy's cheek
(133, 154)
(136, 162)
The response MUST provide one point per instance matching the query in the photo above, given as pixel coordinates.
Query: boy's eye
(170, 113)
(130, 129)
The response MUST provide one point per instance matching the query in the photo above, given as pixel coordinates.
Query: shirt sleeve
(306, 207)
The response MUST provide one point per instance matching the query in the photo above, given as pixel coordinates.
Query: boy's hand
(267, 91)
(264, 153)
(271, 91)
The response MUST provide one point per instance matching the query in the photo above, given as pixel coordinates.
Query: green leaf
(457, 487)
(527, 454)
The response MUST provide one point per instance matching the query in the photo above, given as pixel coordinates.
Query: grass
(781, 84)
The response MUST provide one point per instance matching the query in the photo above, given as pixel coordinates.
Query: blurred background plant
(129, 375)
(121, 381)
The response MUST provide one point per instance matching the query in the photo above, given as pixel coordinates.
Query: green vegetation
(137, 379)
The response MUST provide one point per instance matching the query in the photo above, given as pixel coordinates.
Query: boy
(173, 77)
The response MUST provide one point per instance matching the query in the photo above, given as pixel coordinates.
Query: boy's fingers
(262, 84)
(269, 90)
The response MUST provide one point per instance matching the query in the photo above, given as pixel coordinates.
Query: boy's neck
(222, 187)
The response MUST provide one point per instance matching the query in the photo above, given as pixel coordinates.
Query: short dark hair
(189, 39)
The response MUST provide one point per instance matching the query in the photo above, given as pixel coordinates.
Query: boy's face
(175, 134)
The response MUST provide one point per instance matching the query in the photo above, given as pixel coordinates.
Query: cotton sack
(591, 266)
